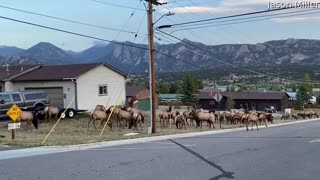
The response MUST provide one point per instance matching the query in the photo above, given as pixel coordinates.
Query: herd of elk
(133, 117)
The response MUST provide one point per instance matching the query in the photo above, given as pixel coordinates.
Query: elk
(29, 117)
(51, 111)
(199, 117)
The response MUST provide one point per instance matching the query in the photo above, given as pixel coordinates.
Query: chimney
(7, 65)
(21, 69)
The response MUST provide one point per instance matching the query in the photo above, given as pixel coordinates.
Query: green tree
(173, 88)
(302, 97)
(294, 88)
(230, 103)
(200, 85)
(189, 86)
(307, 83)
(163, 88)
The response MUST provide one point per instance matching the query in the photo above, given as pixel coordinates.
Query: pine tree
(189, 86)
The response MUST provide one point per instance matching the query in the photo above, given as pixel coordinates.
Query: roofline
(22, 73)
(115, 69)
(63, 79)
(105, 65)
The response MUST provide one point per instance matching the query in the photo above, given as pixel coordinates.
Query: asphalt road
(285, 153)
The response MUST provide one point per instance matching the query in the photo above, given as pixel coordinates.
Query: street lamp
(167, 14)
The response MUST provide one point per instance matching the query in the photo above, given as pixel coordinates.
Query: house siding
(87, 88)
(67, 86)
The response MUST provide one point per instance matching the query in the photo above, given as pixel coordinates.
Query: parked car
(25, 100)
(270, 109)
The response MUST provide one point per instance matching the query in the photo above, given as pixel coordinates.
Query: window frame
(102, 94)
(13, 100)
(8, 95)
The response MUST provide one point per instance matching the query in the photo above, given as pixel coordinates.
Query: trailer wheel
(71, 113)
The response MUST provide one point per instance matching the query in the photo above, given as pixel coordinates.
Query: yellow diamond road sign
(14, 112)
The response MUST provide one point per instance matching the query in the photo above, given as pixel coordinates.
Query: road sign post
(218, 97)
(14, 113)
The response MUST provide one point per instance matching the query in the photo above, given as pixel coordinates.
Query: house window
(103, 90)
(1, 88)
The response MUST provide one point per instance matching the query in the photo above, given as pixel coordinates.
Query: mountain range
(131, 59)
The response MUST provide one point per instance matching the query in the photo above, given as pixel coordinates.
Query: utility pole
(152, 73)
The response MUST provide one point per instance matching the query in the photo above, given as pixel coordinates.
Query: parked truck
(29, 101)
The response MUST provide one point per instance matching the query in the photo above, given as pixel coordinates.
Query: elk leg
(257, 126)
(247, 125)
(94, 124)
(266, 123)
(89, 122)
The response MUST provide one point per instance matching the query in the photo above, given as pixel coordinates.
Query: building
(247, 100)
(142, 94)
(86, 85)
(169, 97)
(8, 72)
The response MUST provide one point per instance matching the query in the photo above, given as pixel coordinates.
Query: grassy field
(75, 131)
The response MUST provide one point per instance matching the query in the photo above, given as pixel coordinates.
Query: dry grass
(75, 131)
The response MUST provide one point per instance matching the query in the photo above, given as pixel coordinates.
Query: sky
(130, 16)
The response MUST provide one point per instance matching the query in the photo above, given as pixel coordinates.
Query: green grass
(75, 131)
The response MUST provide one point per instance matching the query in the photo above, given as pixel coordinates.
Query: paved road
(286, 153)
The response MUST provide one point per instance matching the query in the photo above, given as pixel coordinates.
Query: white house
(82, 85)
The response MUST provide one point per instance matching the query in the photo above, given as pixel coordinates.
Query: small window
(211, 102)
(16, 98)
(1, 88)
(5, 97)
(103, 90)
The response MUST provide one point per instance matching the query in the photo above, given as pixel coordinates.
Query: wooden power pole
(152, 73)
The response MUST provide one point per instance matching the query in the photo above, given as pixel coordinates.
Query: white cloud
(296, 20)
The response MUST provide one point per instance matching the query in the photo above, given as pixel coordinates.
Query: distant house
(9, 72)
(169, 97)
(246, 100)
(87, 84)
(142, 94)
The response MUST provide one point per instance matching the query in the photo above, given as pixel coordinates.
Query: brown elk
(262, 118)
(29, 117)
(199, 117)
(253, 118)
(137, 118)
(98, 115)
(51, 112)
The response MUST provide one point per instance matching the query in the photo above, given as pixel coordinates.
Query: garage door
(55, 95)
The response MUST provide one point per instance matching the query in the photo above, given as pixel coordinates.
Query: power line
(226, 17)
(116, 5)
(73, 33)
(67, 20)
(90, 37)
(253, 19)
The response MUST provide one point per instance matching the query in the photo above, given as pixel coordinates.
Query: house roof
(60, 72)
(14, 71)
(169, 96)
(134, 90)
(247, 95)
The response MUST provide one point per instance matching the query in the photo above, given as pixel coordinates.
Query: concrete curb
(17, 153)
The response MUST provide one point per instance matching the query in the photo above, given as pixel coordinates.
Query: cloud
(296, 20)
(204, 9)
